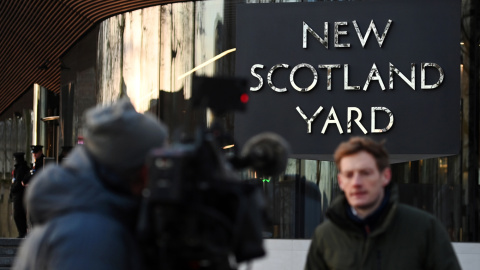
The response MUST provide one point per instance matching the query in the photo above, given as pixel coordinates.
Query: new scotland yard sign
(321, 72)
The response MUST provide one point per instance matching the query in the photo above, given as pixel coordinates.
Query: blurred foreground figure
(85, 210)
(367, 228)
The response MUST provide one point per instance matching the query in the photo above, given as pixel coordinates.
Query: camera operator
(85, 209)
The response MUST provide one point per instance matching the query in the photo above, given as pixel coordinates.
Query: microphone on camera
(266, 153)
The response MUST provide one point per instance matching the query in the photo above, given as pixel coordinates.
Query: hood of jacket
(338, 213)
(74, 186)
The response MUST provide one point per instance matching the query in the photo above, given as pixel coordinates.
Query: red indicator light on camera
(244, 98)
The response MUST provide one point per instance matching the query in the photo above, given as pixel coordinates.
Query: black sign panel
(321, 72)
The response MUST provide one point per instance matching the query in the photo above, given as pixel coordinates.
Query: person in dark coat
(367, 228)
(86, 208)
(20, 171)
(38, 160)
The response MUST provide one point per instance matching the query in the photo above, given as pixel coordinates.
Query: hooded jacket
(79, 222)
(396, 236)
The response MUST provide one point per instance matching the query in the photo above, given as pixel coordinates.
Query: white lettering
(323, 41)
(357, 120)
(338, 33)
(260, 79)
(423, 79)
(410, 82)
(390, 124)
(332, 119)
(329, 74)
(363, 40)
(345, 80)
(374, 75)
(309, 121)
(292, 75)
(269, 78)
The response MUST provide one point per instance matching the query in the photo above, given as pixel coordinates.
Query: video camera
(197, 213)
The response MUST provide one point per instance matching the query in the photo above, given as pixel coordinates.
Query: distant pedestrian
(38, 160)
(86, 208)
(367, 228)
(17, 190)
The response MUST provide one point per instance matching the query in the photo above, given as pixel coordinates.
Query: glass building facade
(149, 55)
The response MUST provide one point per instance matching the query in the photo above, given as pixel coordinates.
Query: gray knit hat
(119, 137)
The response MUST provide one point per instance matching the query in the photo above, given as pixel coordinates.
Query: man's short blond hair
(359, 144)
